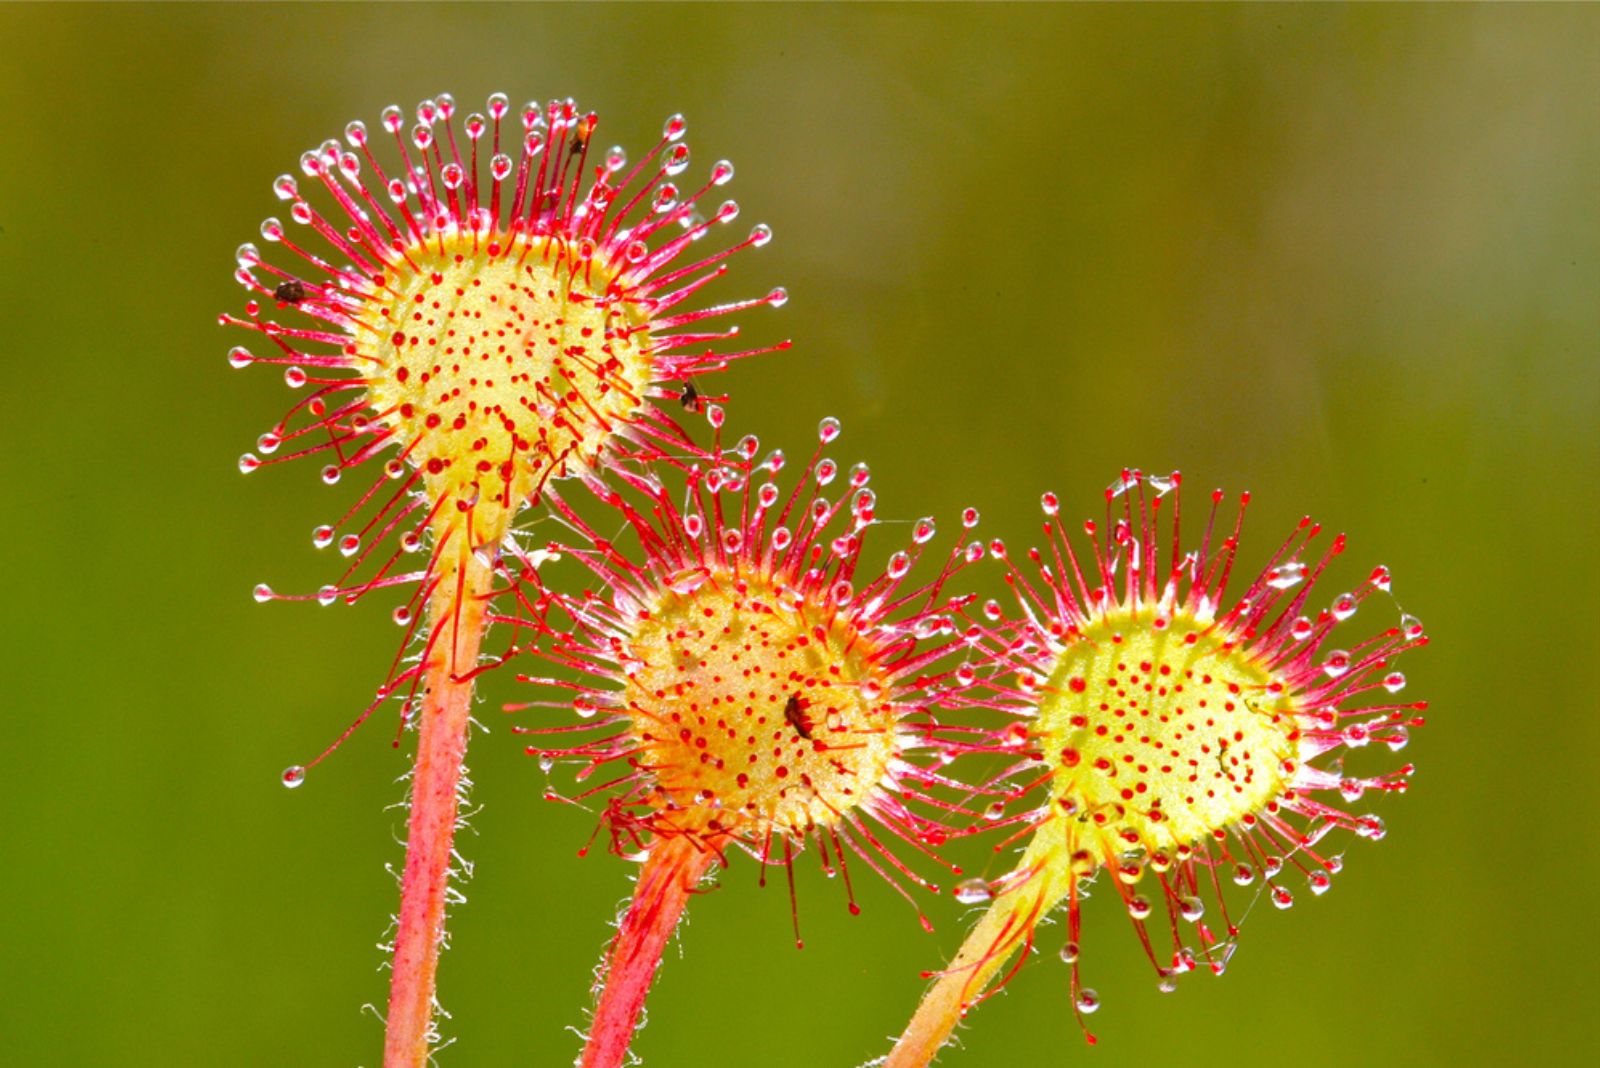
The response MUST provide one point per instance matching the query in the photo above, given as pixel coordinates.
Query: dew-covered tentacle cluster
(739, 680)
(477, 305)
(1181, 738)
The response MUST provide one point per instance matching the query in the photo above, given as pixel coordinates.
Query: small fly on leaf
(797, 717)
(690, 397)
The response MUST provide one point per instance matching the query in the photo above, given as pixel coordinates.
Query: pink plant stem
(993, 941)
(456, 620)
(669, 876)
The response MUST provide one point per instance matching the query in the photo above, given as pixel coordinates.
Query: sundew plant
(479, 307)
(486, 317)
(745, 686)
(1182, 738)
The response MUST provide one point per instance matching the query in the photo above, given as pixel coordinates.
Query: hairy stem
(669, 876)
(1004, 929)
(456, 622)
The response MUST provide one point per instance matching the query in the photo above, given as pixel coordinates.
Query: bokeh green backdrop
(1345, 257)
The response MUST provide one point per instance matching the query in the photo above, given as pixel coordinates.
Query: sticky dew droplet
(1286, 576)
(1336, 664)
(974, 891)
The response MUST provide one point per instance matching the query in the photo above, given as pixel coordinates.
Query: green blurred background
(1346, 257)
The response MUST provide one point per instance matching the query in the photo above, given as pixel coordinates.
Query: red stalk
(669, 876)
(456, 618)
